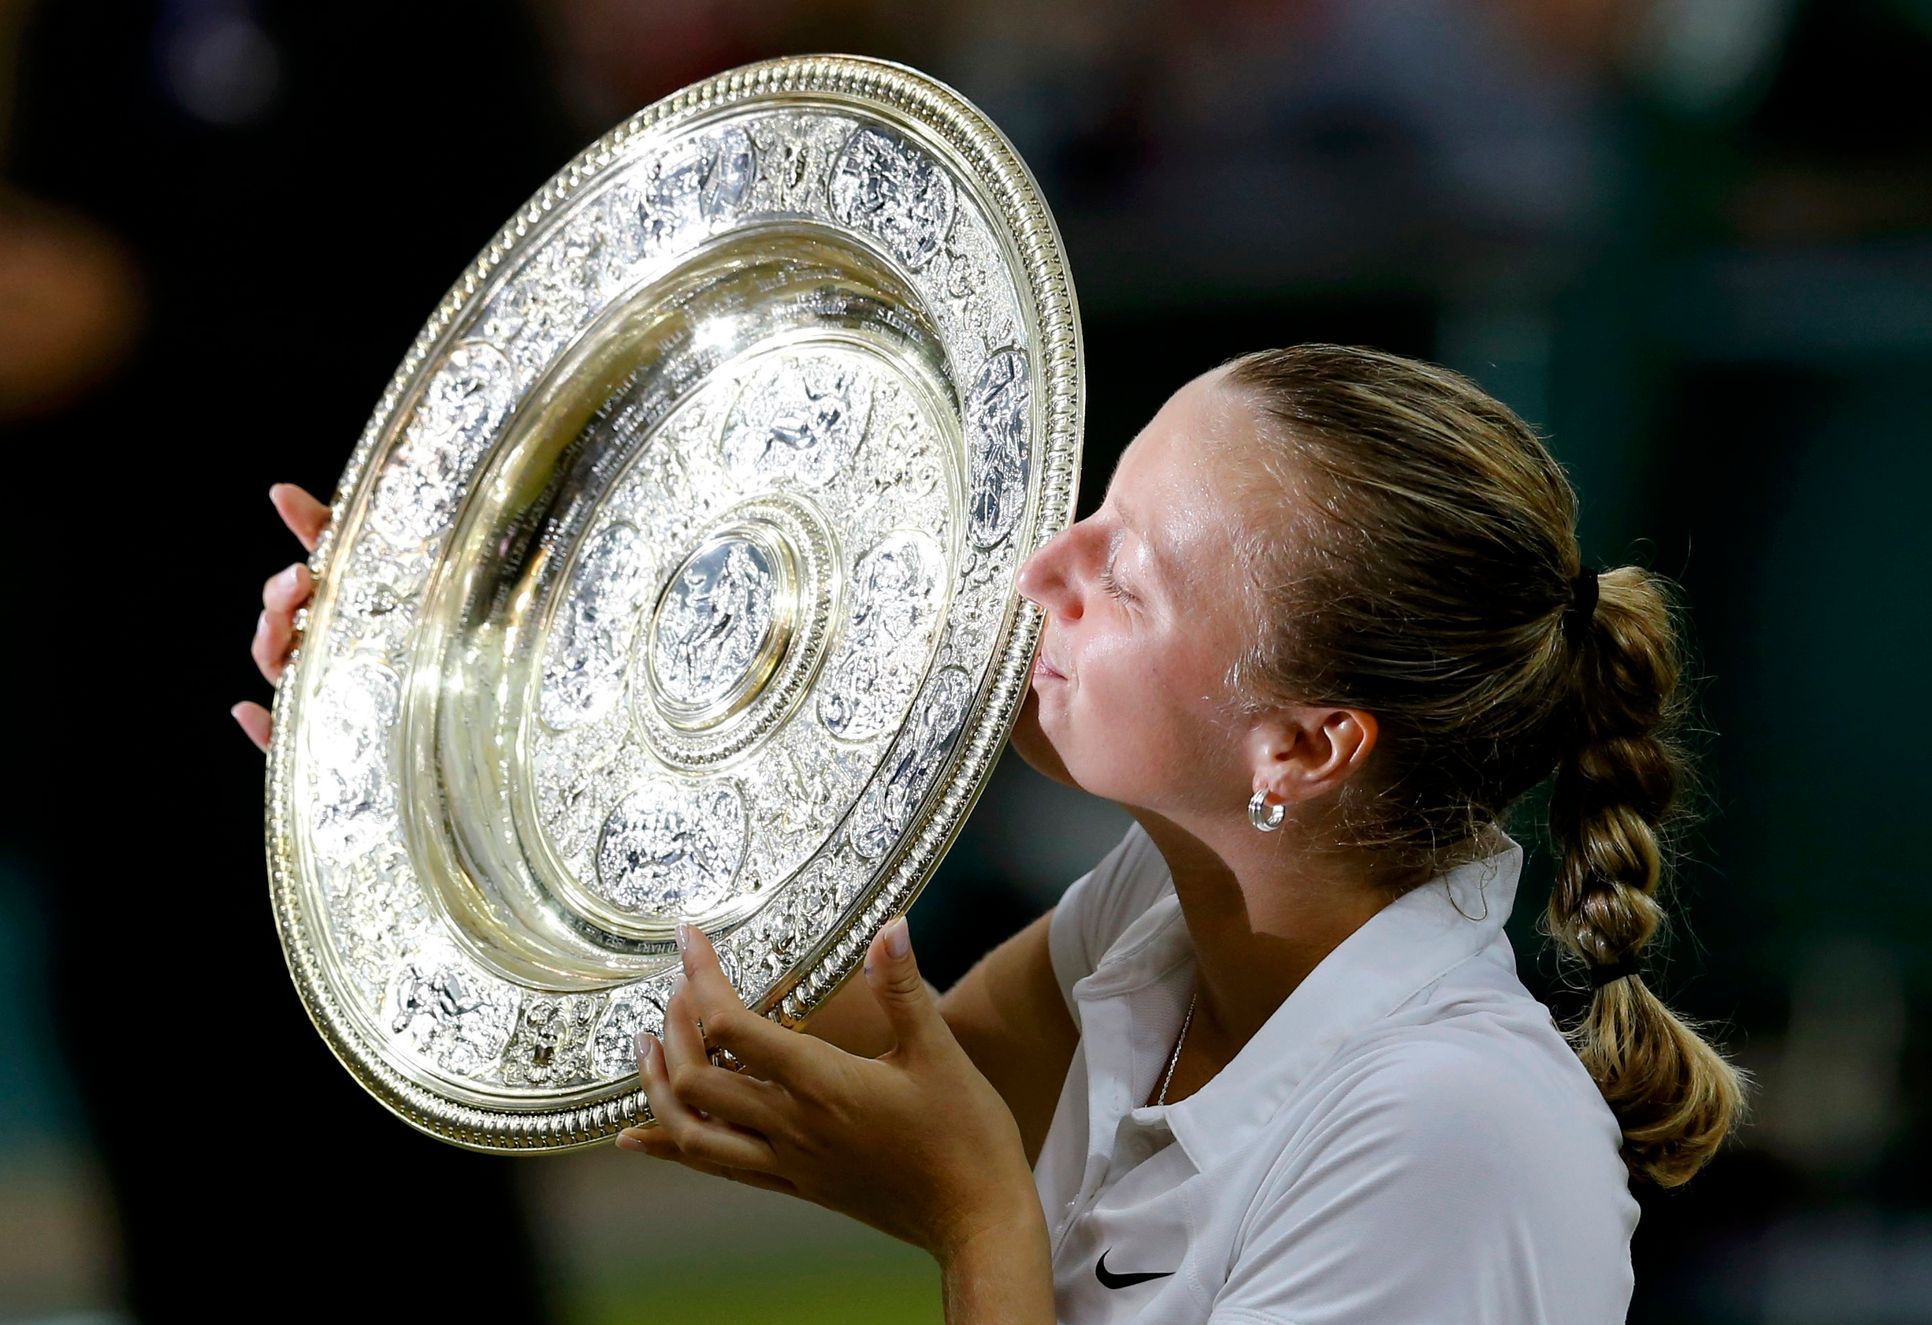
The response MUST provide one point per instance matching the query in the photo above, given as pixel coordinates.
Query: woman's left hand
(916, 1143)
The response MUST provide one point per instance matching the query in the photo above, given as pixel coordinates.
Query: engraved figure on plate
(889, 800)
(713, 621)
(705, 180)
(884, 185)
(997, 411)
(583, 670)
(803, 418)
(897, 590)
(457, 1018)
(672, 848)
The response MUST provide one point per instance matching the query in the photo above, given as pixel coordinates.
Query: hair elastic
(1583, 604)
(1617, 970)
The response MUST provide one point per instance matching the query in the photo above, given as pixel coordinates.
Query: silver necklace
(1179, 1040)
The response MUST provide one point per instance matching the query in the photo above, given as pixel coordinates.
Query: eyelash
(1111, 585)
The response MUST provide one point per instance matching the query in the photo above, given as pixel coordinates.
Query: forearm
(853, 1020)
(1004, 1275)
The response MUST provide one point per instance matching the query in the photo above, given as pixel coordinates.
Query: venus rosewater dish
(673, 580)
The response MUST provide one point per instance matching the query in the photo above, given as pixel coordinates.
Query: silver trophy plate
(673, 579)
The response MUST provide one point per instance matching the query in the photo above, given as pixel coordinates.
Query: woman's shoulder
(1462, 1142)
(1470, 1079)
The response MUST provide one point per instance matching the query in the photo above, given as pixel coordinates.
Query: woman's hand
(282, 595)
(916, 1143)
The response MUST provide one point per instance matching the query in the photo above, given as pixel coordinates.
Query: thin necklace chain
(1179, 1040)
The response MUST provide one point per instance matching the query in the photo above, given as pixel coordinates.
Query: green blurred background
(1690, 240)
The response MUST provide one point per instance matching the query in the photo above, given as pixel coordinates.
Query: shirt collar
(1406, 946)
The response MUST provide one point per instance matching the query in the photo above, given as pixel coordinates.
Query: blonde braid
(1675, 1095)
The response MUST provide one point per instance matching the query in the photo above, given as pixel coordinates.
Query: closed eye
(1112, 586)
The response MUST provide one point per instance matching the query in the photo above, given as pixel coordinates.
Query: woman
(1269, 1061)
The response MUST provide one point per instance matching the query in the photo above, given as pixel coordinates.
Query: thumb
(894, 976)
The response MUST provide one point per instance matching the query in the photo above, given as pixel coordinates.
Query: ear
(1303, 752)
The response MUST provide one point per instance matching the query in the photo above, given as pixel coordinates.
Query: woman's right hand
(284, 592)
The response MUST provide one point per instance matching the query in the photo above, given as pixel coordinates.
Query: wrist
(1000, 1271)
(1004, 1225)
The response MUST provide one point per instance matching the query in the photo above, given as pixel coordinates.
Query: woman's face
(1143, 619)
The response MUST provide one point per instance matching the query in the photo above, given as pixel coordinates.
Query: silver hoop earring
(1263, 816)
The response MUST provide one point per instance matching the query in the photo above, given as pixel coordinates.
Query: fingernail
(898, 941)
(271, 490)
(644, 1042)
(684, 936)
(261, 625)
(625, 1141)
(287, 579)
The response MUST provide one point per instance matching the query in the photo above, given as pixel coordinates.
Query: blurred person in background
(242, 211)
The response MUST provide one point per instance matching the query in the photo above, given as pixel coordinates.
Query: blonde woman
(1270, 1061)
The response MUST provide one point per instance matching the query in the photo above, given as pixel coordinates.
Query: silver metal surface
(673, 579)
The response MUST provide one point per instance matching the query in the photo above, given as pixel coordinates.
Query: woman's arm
(1008, 1015)
(916, 1143)
(1003, 1277)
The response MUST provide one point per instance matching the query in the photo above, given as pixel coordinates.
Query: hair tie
(1603, 975)
(1583, 604)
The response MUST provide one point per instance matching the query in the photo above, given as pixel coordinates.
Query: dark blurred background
(1690, 240)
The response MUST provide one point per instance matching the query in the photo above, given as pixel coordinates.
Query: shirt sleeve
(1422, 1197)
(1098, 907)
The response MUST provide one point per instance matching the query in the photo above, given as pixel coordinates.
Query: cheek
(1178, 698)
(1144, 700)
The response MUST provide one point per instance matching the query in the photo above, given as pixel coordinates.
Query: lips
(1041, 667)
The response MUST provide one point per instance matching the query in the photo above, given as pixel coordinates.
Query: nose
(1047, 577)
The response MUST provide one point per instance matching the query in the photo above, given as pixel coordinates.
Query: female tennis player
(1269, 1061)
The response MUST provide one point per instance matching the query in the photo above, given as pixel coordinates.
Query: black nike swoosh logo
(1122, 1280)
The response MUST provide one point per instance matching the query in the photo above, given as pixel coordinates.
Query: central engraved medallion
(722, 626)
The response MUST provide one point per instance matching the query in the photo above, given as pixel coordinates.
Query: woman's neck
(1261, 916)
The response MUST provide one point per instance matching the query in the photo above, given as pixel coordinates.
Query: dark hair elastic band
(1603, 975)
(1583, 604)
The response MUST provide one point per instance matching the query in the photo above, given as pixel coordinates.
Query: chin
(1032, 744)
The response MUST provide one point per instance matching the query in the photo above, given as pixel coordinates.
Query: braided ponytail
(1616, 792)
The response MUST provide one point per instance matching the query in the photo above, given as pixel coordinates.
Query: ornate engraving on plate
(727, 612)
(672, 848)
(704, 181)
(898, 589)
(450, 1013)
(885, 185)
(888, 804)
(583, 677)
(997, 411)
(725, 660)
(460, 408)
(801, 427)
(613, 1044)
(351, 796)
(551, 1040)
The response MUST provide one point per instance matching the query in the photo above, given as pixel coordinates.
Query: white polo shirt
(1407, 1139)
